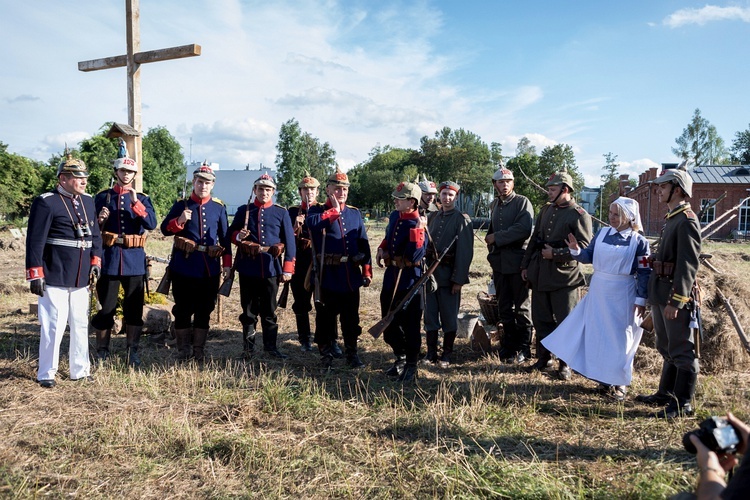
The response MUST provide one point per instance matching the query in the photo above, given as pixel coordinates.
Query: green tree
(460, 156)
(741, 147)
(21, 180)
(297, 152)
(526, 163)
(610, 184)
(163, 168)
(372, 181)
(560, 157)
(99, 152)
(700, 141)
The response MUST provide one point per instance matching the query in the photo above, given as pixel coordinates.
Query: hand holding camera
(717, 441)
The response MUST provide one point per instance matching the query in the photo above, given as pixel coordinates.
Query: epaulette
(354, 208)
(580, 210)
(46, 195)
(86, 194)
(217, 200)
(690, 214)
(277, 205)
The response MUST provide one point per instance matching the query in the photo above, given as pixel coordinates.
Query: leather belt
(69, 243)
(333, 259)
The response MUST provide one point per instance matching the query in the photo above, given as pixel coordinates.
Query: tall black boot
(666, 387)
(199, 342)
(352, 358)
(102, 344)
(248, 341)
(183, 337)
(398, 366)
(133, 338)
(303, 331)
(684, 390)
(446, 358)
(544, 358)
(431, 339)
(326, 357)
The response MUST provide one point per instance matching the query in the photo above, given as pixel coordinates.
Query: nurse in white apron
(601, 335)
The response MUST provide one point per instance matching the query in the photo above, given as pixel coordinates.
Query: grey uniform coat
(511, 223)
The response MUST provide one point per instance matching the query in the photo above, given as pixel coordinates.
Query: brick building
(709, 183)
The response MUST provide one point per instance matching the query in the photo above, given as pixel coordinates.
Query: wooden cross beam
(133, 60)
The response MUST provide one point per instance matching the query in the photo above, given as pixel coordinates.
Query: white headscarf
(631, 209)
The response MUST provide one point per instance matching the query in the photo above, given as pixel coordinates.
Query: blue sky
(603, 76)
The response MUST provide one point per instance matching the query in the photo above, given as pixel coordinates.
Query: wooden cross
(133, 60)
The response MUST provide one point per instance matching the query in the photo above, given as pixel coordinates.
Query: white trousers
(57, 308)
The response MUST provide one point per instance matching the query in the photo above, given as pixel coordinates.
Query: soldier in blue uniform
(201, 254)
(63, 255)
(401, 252)
(339, 235)
(124, 217)
(262, 232)
(308, 191)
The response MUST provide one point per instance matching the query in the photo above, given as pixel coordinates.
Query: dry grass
(285, 429)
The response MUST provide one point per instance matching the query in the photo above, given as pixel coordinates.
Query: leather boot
(446, 358)
(544, 359)
(199, 342)
(102, 344)
(398, 366)
(303, 331)
(326, 357)
(431, 339)
(564, 371)
(248, 341)
(133, 339)
(352, 358)
(409, 374)
(684, 390)
(336, 351)
(182, 335)
(665, 393)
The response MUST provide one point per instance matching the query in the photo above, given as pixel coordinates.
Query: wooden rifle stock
(379, 327)
(284, 296)
(226, 287)
(165, 283)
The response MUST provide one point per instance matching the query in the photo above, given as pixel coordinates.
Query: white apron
(599, 337)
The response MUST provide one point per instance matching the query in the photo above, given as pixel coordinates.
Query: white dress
(600, 336)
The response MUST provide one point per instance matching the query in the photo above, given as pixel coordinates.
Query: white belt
(69, 243)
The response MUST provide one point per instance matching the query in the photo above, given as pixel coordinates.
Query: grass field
(273, 429)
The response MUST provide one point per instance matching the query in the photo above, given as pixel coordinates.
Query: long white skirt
(600, 336)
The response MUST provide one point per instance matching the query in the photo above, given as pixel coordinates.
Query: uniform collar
(625, 233)
(118, 189)
(412, 215)
(63, 192)
(258, 204)
(341, 207)
(304, 205)
(678, 209)
(200, 201)
(507, 198)
(569, 203)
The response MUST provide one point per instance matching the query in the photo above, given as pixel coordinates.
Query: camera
(717, 434)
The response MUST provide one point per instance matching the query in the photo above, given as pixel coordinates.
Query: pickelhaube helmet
(308, 181)
(407, 190)
(338, 178)
(679, 177)
(427, 186)
(560, 178)
(503, 174)
(205, 172)
(265, 180)
(73, 166)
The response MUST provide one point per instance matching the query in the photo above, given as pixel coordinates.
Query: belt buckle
(344, 258)
(119, 241)
(201, 248)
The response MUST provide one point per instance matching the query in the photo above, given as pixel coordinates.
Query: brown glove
(250, 248)
(276, 250)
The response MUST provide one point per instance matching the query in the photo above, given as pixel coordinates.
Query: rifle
(377, 329)
(226, 287)
(284, 296)
(317, 268)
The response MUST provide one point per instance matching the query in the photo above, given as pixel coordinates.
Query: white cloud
(705, 15)
(537, 140)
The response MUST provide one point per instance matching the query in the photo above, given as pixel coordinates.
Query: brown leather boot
(133, 338)
(182, 335)
(102, 344)
(199, 342)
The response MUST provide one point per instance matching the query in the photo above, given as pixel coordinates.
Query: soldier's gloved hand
(38, 286)
(380, 256)
(276, 250)
(94, 274)
(366, 281)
